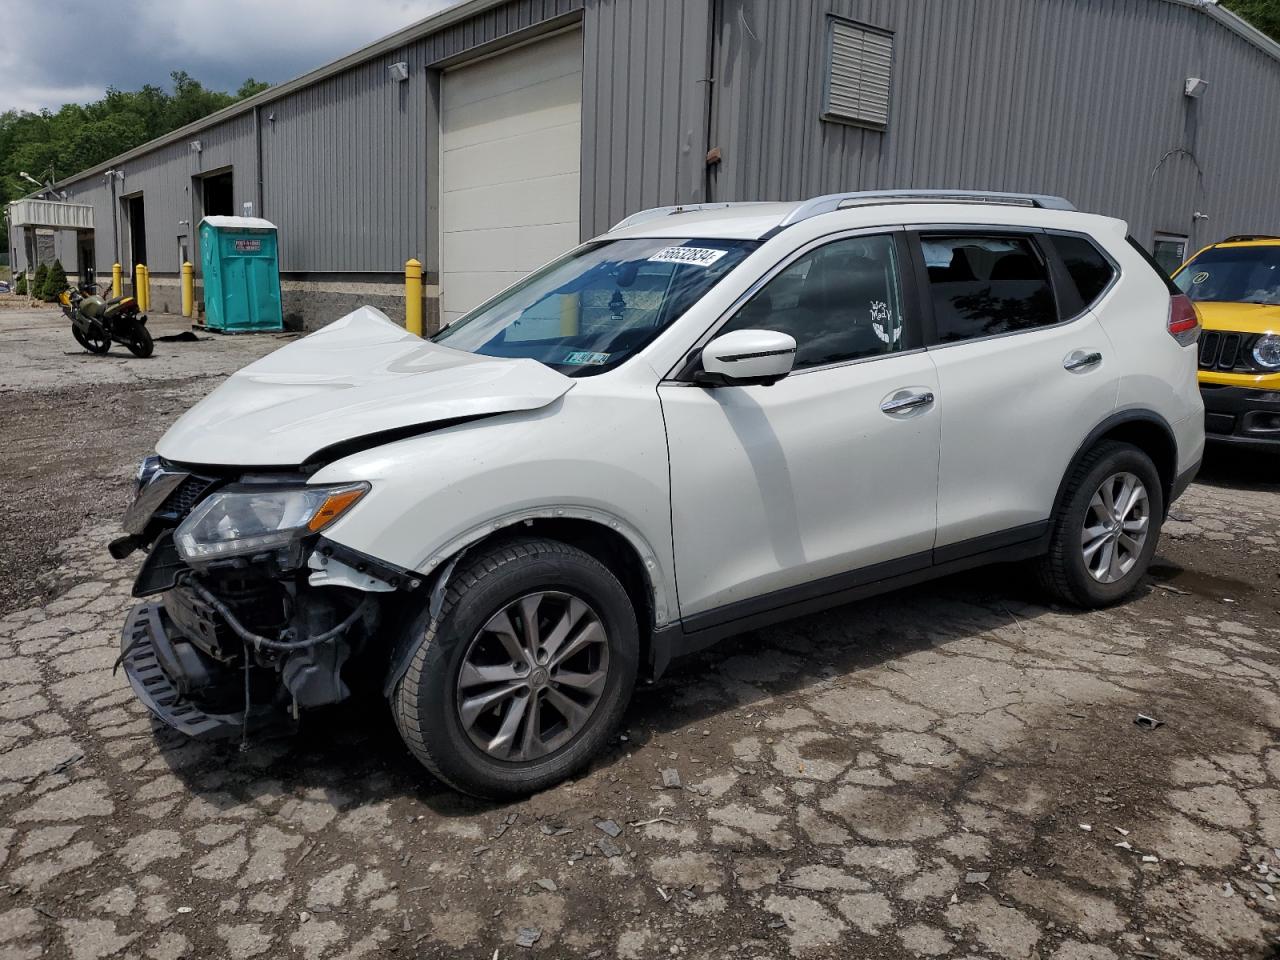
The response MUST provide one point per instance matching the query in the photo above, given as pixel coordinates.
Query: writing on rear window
(694, 256)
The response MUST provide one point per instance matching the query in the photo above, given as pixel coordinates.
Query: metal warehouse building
(486, 139)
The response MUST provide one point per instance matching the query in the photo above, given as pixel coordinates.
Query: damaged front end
(250, 615)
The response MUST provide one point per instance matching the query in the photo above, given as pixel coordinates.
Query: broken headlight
(242, 520)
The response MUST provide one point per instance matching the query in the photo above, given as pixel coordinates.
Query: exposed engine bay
(225, 644)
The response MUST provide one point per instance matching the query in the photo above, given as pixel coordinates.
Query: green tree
(250, 87)
(1263, 14)
(37, 281)
(54, 283)
(77, 136)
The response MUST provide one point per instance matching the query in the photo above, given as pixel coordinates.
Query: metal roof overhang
(51, 213)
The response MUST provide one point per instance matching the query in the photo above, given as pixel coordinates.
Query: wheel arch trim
(1139, 416)
(660, 583)
(439, 565)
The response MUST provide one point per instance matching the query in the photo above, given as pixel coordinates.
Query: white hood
(360, 375)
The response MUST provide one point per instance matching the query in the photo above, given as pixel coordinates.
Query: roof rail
(1247, 237)
(837, 201)
(655, 213)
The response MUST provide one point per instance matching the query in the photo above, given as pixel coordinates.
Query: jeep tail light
(1184, 322)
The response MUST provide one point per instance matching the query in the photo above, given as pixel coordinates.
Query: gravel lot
(952, 771)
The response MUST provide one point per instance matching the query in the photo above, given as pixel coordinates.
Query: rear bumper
(1241, 415)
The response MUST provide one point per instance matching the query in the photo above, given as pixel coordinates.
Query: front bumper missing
(145, 649)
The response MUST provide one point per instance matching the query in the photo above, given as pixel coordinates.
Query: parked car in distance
(4, 286)
(706, 420)
(1235, 286)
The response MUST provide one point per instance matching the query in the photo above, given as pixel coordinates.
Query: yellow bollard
(145, 303)
(116, 287)
(137, 284)
(413, 297)
(188, 288)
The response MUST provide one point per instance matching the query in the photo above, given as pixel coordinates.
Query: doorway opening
(135, 216)
(215, 193)
(86, 270)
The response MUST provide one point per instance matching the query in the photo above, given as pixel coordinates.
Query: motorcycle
(96, 322)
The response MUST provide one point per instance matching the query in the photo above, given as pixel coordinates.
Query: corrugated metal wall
(1078, 97)
(163, 178)
(1082, 98)
(347, 161)
(645, 103)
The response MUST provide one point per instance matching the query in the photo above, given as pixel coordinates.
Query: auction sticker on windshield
(694, 256)
(587, 357)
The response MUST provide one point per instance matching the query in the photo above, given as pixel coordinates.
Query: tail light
(1184, 322)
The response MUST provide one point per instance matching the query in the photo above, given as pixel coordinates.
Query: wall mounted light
(196, 146)
(1195, 87)
(399, 72)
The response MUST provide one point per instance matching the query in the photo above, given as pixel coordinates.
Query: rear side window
(987, 285)
(1090, 270)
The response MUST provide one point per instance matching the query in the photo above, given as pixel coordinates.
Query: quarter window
(840, 302)
(1090, 270)
(983, 286)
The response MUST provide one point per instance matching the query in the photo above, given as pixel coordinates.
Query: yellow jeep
(1235, 286)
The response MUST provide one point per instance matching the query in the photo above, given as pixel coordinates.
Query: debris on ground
(977, 876)
(671, 778)
(608, 827)
(1146, 722)
(527, 936)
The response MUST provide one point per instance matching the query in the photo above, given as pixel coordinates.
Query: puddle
(1201, 584)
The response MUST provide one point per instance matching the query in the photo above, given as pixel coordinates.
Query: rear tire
(1106, 529)
(551, 702)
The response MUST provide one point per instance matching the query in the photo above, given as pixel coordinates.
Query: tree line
(52, 144)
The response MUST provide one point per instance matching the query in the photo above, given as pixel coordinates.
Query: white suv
(706, 420)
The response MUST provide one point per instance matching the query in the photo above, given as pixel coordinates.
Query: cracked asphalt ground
(950, 771)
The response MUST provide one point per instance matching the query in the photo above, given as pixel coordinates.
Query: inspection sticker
(694, 256)
(586, 357)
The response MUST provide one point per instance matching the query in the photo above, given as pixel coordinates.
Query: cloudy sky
(56, 51)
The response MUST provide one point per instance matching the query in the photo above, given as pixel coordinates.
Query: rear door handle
(1081, 360)
(900, 401)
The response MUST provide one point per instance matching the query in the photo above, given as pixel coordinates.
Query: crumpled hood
(360, 375)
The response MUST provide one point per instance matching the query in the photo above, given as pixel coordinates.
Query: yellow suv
(1235, 286)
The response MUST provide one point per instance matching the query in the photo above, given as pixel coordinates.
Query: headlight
(1266, 351)
(242, 520)
(147, 469)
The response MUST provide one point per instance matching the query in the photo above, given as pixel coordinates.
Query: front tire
(524, 674)
(1106, 529)
(141, 345)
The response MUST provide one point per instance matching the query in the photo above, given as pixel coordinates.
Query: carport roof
(468, 8)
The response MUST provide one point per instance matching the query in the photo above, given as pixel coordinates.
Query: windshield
(1233, 274)
(591, 310)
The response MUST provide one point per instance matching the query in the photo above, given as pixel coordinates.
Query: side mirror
(747, 358)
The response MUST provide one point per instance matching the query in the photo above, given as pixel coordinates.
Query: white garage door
(511, 132)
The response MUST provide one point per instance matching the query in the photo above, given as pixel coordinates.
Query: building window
(1169, 251)
(859, 65)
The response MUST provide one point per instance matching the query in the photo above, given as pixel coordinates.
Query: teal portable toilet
(240, 262)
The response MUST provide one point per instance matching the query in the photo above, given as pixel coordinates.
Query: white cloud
(47, 59)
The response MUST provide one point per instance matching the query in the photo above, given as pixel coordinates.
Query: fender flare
(1120, 418)
(439, 564)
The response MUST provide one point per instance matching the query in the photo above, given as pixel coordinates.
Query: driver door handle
(1081, 359)
(899, 404)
